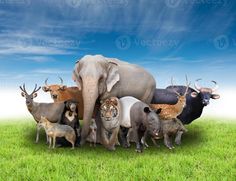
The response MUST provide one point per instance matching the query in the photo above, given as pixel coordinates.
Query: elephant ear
(113, 75)
(75, 75)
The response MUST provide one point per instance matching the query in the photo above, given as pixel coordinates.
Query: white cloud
(39, 59)
(32, 50)
(51, 71)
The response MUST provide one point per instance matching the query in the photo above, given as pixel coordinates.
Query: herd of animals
(115, 103)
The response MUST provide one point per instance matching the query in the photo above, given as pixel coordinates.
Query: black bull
(194, 104)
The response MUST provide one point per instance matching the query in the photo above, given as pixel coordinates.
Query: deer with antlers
(171, 111)
(52, 111)
(196, 99)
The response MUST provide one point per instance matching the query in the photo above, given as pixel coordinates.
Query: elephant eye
(79, 78)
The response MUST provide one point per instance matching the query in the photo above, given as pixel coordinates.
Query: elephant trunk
(90, 95)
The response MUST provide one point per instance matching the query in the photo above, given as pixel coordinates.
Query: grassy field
(208, 152)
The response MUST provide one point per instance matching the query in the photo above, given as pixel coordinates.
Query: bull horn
(198, 87)
(61, 81)
(216, 86)
(46, 82)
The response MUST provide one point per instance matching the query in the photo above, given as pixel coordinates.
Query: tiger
(110, 112)
(109, 109)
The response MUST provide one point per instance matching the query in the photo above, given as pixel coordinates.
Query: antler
(187, 84)
(173, 87)
(216, 86)
(46, 82)
(23, 89)
(61, 81)
(36, 89)
(196, 85)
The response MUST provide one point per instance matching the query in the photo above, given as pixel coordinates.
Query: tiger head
(109, 109)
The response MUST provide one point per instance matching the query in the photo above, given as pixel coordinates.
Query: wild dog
(54, 130)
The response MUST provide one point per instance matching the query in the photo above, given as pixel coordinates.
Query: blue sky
(40, 39)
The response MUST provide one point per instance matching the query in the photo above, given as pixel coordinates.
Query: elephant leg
(178, 137)
(99, 126)
(84, 132)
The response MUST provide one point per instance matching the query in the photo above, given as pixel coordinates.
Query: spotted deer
(171, 111)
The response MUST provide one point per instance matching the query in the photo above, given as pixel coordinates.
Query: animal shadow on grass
(194, 136)
(30, 137)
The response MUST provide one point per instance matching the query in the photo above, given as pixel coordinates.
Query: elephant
(99, 77)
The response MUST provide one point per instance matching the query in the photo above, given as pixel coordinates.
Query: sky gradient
(40, 39)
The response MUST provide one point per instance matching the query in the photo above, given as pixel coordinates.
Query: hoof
(171, 147)
(82, 142)
(138, 151)
(111, 149)
(126, 146)
(178, 143)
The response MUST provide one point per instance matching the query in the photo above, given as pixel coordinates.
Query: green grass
(208, 152)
